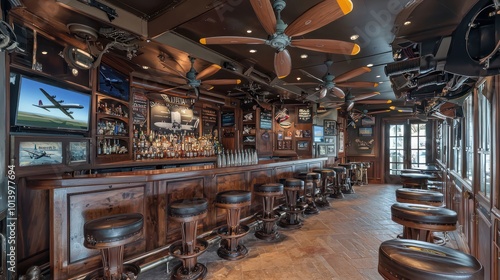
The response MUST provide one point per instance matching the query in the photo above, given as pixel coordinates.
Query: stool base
(130, 271)
(311, 209)
(224, 252)
(181, 273)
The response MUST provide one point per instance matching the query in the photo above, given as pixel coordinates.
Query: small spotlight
(303, 56)
(407, 23)
(44, 52)
(249, 31)
(252, 51)
(354, 37)
(369, 65)
(380, 82)
(299, 78)
(74, 71)
(145, 67)
(148, 40)
(378, 76)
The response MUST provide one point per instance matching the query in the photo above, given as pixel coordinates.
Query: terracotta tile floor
(339, 243)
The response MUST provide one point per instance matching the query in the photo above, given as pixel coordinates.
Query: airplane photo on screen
(57, 104)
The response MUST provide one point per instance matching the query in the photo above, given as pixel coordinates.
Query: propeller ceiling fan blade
(351, 74)
(282, 64)
(174, 88)
(365, 96)
(350, 105)
(338, 92)
(301, 84)
(175, 80)
(231, 40)
(323, 92)
(332, 105)
(311, 75)
(265, 13)
(176, 72)
(375, 102)
(207, 72)
(327, 46)
(378, 112)
(318, 16)
(357, 84)
(220, 82)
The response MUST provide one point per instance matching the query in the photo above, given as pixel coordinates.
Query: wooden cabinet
(112, 130)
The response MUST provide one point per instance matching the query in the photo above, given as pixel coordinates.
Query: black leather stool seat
(233, 197)
(325, 172)
(416, 176)
(188, 207)
(294, 183)
(419, 195)
(269, 188)
(424, 214)
(308, 176)
(413, 259)
(113, 228)
(339, 169)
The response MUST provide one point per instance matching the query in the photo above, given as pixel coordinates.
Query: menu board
(266, 120)
(139, 109)
(305, 115)
(208, 121)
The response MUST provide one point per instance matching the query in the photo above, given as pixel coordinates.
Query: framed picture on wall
(40, 153)
(330, 127)
(78, 152)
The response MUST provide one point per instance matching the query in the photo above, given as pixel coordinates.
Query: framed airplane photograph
(32, 153)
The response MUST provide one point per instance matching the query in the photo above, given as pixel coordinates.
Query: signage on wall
(266, 120)
(139, 109)
(305, 115)
(209, 121)
(172, 118)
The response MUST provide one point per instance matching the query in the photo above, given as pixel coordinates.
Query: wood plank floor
(339, 243)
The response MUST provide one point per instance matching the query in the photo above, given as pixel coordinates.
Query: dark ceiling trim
(180, 14)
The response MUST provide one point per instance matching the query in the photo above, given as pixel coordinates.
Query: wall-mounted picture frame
(322, 151)
(302, 145)
(341, 141)
(33, 153)
(330, 127)
(78, 152)
(365, 131)
(279, 135)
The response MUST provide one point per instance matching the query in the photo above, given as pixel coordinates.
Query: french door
(406, 147)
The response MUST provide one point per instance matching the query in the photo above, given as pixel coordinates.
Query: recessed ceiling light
(369, 65)
(44, 52)
(298, 78)
(407, 22)
(380, 82)
(354, 37)
(378, 76)
(249, 31)
(148, 40)
(145, 67)
(303, 55)
(252, 51)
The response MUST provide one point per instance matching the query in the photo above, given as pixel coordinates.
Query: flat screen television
(45, 105)
(318, 133)
(113, 83)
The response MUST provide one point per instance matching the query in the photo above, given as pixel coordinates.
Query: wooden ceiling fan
(281, 35)
(332, 84)
(350, 100)
(193, 80)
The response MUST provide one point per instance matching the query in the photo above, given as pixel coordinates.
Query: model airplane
(113, 83)
(36, 154)
(57, 104)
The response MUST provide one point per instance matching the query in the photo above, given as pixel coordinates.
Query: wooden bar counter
(56, 209)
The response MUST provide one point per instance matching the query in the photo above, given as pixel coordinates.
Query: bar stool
(411, 259)
(268, 192)
(188, 212)
(109, 235)
(358, 173)
(364, 179)
(292, 188)
(311, 180)
(415, 180)
(418, 196)
(347, 186)
(233, 201)
(420, 221)
(340, 180)
(328, 175)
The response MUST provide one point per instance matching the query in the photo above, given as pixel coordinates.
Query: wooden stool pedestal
(188, 212)
(327, 175)
(292, 188)
(311, 181)
(268, 192)
(233, 201)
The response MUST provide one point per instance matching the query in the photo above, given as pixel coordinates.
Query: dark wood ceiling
(176, 26)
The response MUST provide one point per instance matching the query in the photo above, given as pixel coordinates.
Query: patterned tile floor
(341, 242)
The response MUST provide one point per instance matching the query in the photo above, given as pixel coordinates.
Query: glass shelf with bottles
(110, 145)
(112, 127)
(160, 145)
(109, 107)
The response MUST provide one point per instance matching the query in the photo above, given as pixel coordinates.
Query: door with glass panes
(406, 147)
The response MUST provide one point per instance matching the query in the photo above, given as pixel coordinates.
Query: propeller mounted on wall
(330, 83)
(281, 35)
(193, 80)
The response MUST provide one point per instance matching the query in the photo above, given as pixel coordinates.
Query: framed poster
(302, 145)
(305, 115)
(365, 131)
(78, 152)
(266, 120)
(32, 153)
(341, 141)
(330, 127)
